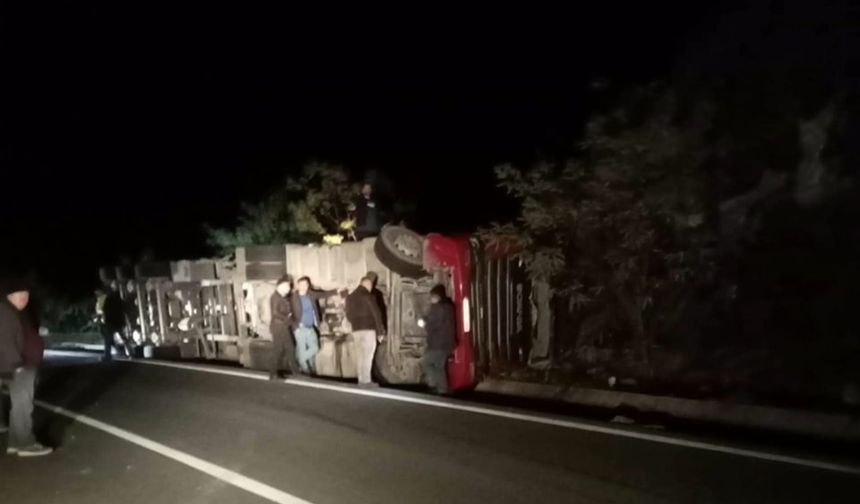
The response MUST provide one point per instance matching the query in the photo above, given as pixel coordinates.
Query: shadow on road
(76, 388)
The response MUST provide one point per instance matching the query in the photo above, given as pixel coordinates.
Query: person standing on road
(281, 328)
(368, 216)
(306, 320)
(18, 367)
(379, 297)
(364, 315)
(34, 345)
(440, 325)
(113, 320)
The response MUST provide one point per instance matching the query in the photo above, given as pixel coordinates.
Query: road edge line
(228, 476)
(526, 417)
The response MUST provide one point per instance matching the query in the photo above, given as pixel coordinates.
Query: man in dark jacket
(113, 320)
(306, 320)
(17, 373)
(364, 315)
(281, 327)
(34, 345)
(368, 215)
(440, 325)
(11, 338)
(380, 298)
(132, 311)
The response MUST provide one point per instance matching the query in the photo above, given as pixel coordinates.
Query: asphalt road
(323, 445)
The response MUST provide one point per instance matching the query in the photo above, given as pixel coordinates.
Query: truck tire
(390, 370)
(401, 250)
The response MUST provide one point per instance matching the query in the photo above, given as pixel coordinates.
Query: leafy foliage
(305, 208)
(620, 230)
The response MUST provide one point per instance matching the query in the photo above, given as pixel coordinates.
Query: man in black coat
(113, 321)
(369, 216)
(440, 324)
(281, 324)
(362, 311)
(17, 372)
(379, 297)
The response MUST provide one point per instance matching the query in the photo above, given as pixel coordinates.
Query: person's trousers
(435, 363)
(307, 347)
(365, 348)
(283, 349)
(108, 337)
(22, 388)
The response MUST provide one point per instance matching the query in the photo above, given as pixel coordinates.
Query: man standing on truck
(306, 320)
(364, 315)
(368, 216)
(19, 360)
(441, 339)
(281, 328)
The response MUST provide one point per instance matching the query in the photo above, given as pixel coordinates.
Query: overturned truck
(219, 308)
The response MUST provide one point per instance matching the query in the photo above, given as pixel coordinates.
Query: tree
(304, 209)
(621, 230)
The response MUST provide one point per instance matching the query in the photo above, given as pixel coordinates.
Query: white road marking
(71, 352)
(226, 475)
(526, 417)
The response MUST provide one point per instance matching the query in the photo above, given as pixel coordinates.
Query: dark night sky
(130, 126)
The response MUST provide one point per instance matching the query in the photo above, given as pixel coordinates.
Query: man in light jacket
(306, 320)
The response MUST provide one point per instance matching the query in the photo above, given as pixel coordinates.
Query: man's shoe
(11, 451)
(35, 450)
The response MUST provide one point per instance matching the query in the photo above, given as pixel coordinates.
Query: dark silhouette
(369, 216)
(283, 346)
(440, 325)
(113, 319)
(379, 297)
